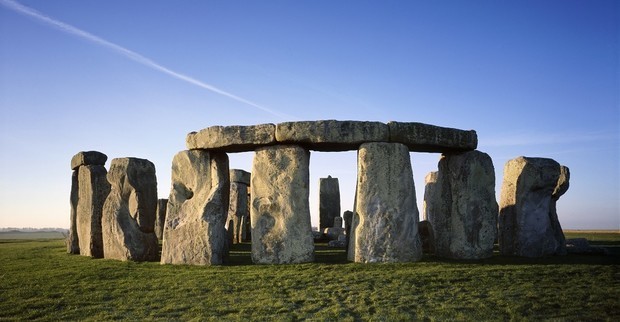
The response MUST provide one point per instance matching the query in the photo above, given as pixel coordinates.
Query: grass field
(38, 280)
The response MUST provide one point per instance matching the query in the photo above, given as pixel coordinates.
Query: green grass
(38, 280)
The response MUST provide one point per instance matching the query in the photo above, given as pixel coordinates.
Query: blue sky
(132, 78)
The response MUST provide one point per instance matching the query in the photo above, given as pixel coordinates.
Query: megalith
(160, 217)
(129, 211)
(329, 202)
(195, 232)
(88, 197)
(528, 221)
(238, 211)
(73, 244)
(385, 221)
(460, 206)
(280, 212)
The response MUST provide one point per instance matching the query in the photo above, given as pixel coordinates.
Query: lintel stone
(88, 158)
(331, 135)
(422, 137)
(240, 176)
(232, 138)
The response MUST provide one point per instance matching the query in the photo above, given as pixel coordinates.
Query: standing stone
(280, 212)
(461, 207)
(347, 216)
(195, 231)
(528, 221)
(73, 244)
(129, 211)
(329, 202)
(385, 222)
(238, 211)
(160, 218)
(93, 191)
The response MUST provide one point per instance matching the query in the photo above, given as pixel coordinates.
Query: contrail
(130, 54)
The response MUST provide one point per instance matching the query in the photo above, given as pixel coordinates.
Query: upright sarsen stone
(195, 232)
(129, 211)
(528, 222)
(73, 244)
(461, 207)
(329, 202)
(238, 211)
(92, 193)
(160, 218)
(385, 221)
(280, 213)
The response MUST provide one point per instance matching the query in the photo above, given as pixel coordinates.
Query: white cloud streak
(15, 6)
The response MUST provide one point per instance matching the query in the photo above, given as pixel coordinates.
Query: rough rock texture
(232, 138)
(347, 216)
(160, 218)
(240, 176)
(425, 229)
(430, 138)
(528, 222)
(73, 244)
(432, 189)
(93, 191)
(338, 222)
(332, 233)
(329, 202)
(385, 222)
(195, 231)
(331, 135)
(280, 212)
(238, 211)
(88, 158)
(129, 211)
(461, 206)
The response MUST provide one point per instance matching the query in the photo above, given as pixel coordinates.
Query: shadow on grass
(240, 254)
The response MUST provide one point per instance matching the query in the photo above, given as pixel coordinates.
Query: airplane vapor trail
(15, 6)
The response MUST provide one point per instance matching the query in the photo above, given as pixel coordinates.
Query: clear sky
(132, 78)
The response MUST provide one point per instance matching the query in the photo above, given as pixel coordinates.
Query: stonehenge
(210, 205)
(128, 222)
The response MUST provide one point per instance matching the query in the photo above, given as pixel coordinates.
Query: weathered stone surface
(93, 191)
(238, 211)
(385, 222)
(582, 246)
(331, 135)
(461, 206)
(337, 243)
(430, 138)
(232, 138)
(160, 218)
(348, 218)
(528, 222)
(88, 158)
(195, 231)
(432, 189)
(240, 176)
(427, 237)
(73, 244)
(329, 202)
(338, 222)
(129, 211)
(280, 213)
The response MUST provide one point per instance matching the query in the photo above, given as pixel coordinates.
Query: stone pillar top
(88, 158)
(240, 176)
(232, 138)
(332, 135)
(430, 138)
